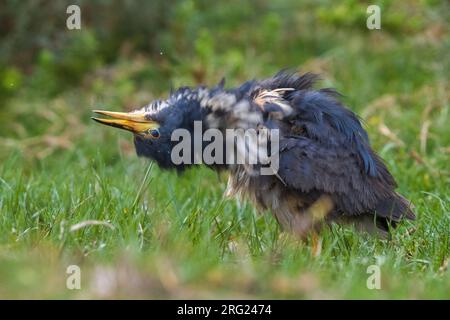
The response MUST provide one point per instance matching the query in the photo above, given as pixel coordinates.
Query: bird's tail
(395, 208)
(388, 213)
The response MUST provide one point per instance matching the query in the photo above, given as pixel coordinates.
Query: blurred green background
(175, 236)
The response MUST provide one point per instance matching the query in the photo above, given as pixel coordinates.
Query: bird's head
(153, 125)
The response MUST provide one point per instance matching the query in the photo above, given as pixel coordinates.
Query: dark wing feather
(321, 114)
(333, 154)
(309, 166)
(290, 79)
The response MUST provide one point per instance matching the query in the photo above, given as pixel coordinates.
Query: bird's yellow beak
(134, 122)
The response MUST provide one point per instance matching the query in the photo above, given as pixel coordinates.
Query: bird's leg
(316, 244)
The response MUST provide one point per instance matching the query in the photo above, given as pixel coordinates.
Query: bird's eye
(154, 133)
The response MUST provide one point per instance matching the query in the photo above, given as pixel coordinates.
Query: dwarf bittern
(327, 170)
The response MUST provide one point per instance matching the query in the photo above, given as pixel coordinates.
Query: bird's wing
(324, 148)
(309, 166)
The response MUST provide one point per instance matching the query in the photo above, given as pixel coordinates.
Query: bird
(327, 170)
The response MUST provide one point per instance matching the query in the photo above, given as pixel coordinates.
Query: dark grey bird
(327, 170)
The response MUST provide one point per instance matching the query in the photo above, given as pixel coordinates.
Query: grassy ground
(169, 236)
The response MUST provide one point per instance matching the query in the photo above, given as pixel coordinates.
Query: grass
(169, 236)
(176, 237)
